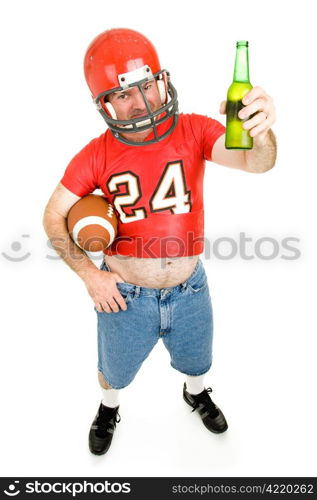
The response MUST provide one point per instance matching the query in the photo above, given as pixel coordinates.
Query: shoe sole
(99, 452)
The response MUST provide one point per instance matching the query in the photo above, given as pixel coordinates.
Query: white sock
(110, 397)
(195, 385)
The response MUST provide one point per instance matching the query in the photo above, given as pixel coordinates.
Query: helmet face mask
(103, 75)
(149, 121)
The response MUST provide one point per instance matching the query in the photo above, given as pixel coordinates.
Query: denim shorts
(180, 315)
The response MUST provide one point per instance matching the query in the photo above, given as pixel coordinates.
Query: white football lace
(110, 211)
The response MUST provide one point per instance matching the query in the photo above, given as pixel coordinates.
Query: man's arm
(55, 225)
(263, 155)
(101, 286)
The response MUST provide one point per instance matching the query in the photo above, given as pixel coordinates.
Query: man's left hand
(259, 102)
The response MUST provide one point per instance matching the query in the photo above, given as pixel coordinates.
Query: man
(150, 165)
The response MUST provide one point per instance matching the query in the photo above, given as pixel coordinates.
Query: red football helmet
(118, 59)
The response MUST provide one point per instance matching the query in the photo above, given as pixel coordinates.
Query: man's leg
(125, 339)
(189, 342)
(102, 381)
(103, 426)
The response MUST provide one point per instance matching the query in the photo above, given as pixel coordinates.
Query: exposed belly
(152, 273)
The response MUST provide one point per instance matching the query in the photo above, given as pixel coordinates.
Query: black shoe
(211, 415)
(102, 429)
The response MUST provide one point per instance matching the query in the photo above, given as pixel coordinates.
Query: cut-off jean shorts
(180, 315)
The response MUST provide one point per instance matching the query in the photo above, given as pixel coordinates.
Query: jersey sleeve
(81, 175)
(206, 131)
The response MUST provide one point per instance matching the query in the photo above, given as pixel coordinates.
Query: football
(92, 223)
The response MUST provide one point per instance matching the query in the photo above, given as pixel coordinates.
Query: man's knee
(102, 381)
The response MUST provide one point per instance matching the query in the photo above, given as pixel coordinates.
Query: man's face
(129, 104)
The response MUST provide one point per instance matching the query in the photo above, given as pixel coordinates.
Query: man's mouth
(139, 115)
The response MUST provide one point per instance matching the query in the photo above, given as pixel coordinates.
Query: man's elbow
(260, 169)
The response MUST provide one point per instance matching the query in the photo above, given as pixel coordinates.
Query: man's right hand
(102, 288)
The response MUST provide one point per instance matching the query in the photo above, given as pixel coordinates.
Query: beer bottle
(236, 136)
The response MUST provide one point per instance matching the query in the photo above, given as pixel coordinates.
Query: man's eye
(148, 86)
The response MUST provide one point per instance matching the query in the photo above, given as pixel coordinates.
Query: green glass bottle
(236, 136)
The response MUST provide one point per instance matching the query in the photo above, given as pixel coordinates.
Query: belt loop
(137, 290)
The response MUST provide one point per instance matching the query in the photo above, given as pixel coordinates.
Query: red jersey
(156, 189)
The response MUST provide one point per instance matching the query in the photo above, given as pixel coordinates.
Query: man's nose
(138, 101)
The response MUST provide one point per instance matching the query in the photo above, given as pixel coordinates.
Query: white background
(264, 371)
